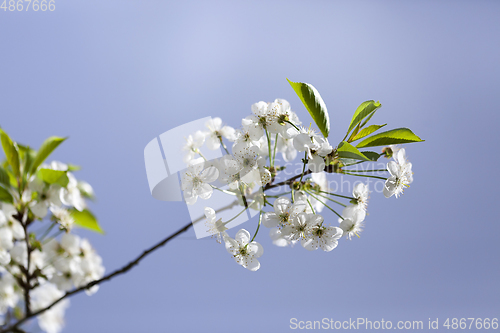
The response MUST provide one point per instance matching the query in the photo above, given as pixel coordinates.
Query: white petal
(270, 220)
(282, 205)
(204, 191)
(40, 209)
(252, 265)
(256, 249)
(393, 168)
(213, 142)
(209, 174)
(242, 236)
(309, 244)
(390, 187)
(316, 164)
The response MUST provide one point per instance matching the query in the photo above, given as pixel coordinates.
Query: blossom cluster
(295, 213)
(40, 258)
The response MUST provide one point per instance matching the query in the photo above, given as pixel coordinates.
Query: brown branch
(286, 182)
(14, 327)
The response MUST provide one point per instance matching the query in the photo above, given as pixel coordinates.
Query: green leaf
(367, 119)
(366, 131)
(53, 177)
(313, 102)
(354, 133)
(365, 109)
(86, 219)
(72, 167)
(5, 196)
(392, 137)
(373, 156)
(11, 152)
(4, 177)
(346, 150)
(45, 150)
(29, 157)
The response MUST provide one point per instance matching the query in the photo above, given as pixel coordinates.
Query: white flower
(192, 146)
(248, 164)
(37, 260)
(245, 253)
(6, 243)
(195, 182)
(71, 244)
(47, 196)
(361, 194)
(259, 120)
(319, 236)
(90, 266)
(68, 273)
(298, 227)
(8, 296)
(8, 220)
(246, 158)
(352, 224)
(71, 195)
(52, 320)
(278, 113)
(63, 217)
(216, 132)
(401, 175)
(284, 212)
(301, 196)
(250, 134)
(315, 146)
(214, 226)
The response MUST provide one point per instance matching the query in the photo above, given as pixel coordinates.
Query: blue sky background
(113, 75)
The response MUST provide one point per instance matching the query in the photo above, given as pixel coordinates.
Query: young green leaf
(11, 152)
(5, 196)
(313, 102)
(373, 156)
(53, 177)
(45, 150)
(346, 150)
(392, 137)
(86, 219)
(4, 177)
(365, 109)
(72, 167)
(366, 131)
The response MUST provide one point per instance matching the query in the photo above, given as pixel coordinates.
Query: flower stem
(268, 136)
(258, 227)
(288, 121)
(309, 202)
(235, 216)
(330, 208)
(223, 191)
(304, 166)
(353, 174)
(376, 170)
(338, 195)
(223, 145)
(324, 196)
(275, 146)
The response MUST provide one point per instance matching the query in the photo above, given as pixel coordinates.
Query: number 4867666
(25, 5)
